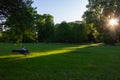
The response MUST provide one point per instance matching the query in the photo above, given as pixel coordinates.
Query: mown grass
(49, 61)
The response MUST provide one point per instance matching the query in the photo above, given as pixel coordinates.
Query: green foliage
(108, 39)
(19, 19)
(100, 12)
(93, 34)
(71, 32)
(63, 33)
(79, 33)
(45, 27)
(1, 37)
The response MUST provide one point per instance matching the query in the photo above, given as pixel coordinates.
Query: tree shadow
(48, 49)
(65, 63)
(76, 62)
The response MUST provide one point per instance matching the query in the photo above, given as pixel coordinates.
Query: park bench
(25, 52)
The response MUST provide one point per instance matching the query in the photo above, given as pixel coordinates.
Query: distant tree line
(20, 22)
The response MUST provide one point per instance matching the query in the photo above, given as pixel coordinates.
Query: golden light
(113, 22)
(52, 52)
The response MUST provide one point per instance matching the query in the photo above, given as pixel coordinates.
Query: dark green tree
(100, 12)
(63, 32)
(79, 33)
(45, 27)
(19, 17)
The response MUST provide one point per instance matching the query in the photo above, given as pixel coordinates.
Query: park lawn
(55, 61)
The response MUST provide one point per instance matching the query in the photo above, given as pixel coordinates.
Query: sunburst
(113, 22)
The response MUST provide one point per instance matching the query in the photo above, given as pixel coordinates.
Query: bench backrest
(20, 51)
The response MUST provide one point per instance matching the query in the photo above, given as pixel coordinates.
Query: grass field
(50, 61)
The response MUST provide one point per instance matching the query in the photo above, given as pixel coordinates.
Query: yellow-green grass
(52, 61)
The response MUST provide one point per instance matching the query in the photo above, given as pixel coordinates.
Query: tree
(100, 12)
(79, 33)
(45, 27)
(19, 17)
(63, 32)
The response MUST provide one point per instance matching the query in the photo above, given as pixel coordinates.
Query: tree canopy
(20, 22)
(100, 12)
(18, 18)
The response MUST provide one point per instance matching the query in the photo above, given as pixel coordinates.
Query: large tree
(45, 27)
(18, 18)
(63, 32)
(79, 33)
(100, 12)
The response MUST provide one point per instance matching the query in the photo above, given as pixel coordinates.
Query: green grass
(49, 61)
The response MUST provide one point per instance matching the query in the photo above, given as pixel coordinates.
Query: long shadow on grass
(45, 50)
(78, 62)
(6, 48)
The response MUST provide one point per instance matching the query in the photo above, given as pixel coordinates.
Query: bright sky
(62, 10)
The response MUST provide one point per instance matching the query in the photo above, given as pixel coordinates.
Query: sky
(62, 10)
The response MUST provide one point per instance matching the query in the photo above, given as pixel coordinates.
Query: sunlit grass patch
(61, 62)
(11, 56)
(61, 51)
(51, 52)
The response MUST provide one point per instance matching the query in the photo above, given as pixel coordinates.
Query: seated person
(23, 48)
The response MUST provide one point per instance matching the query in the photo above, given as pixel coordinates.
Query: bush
(63, 33)
(108, 39)
(79, 33)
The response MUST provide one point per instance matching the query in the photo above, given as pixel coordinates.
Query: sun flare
(113, 22)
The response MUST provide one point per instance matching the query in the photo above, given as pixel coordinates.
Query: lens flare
(113, 22)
